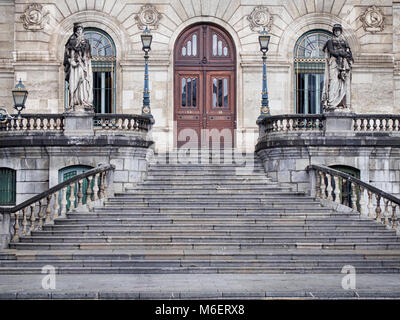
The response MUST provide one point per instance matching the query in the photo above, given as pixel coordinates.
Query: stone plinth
(339, 122)
(78, 124)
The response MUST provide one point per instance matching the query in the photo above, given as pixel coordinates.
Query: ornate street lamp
(146, 46)
(19, 95)
(264, 39)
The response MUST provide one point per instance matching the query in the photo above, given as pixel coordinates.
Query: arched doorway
(205, 83)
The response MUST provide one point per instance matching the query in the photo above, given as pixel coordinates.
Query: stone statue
(337, 78)
(78, 71)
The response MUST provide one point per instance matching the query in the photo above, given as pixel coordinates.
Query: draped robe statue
(337, 78)
(78, 71)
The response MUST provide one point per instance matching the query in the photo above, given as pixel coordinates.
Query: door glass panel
(194, 84)
(214, 45)
(225, 92)
(215, 92)
(219, 92)
(220, 48)
(189, 92)
(194, 39)
(189, 48)
(183, 92)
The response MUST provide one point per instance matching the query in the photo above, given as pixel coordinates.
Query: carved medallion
(373, 20)
(35, 17)
(148, 16)
(260, 18)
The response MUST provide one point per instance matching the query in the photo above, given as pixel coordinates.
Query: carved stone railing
(292, 123)
(34, 123)
(367, 200)
(44, 208)
(124, 122)
(376, 123)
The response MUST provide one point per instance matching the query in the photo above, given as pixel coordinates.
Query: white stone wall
(36, 56)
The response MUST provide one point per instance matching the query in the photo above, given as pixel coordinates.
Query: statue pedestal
(79, 124)
(338, 122)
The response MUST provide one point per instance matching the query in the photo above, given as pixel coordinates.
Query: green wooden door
(7, 187)
(68, 173)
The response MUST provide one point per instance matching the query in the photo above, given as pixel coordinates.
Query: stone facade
(35, 56)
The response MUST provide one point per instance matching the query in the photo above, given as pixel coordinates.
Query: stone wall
(37, 168)
(27, 53)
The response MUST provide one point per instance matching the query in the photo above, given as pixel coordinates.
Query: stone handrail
(376, 123)
(365, 198)
(292, 123)
(34, 122)
(47, 206)
(125, 122)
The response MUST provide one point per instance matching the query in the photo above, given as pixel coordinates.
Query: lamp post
(264, 39)
(146, 47)
(19, 95)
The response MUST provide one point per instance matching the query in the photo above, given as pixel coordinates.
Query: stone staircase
(207, 218)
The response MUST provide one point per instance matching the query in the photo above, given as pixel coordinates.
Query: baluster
(72, 196)
(329, 188)
(89, 191)
(28, 123)
(40, 215)
(104, 184)
(386, 214)
(387, 127)
(33, 218)
(374, 121)
(130, 124)
(48, 209)
(48, 123)
(96, 187)
(353, 197)
(24, 221)
(80, 192)
(56, 206)
(371, 213)
(395, 223)
(378, 209)
(318, 184)
(41, 122)
(381, 124)
(64, 202)
(101, 187)
(15, 237)
(337, 189)
(362, 127)
(363, 201)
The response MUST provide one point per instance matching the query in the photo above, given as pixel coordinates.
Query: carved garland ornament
(260, 18)
(148, 16)
(373, 20)
(35, 17)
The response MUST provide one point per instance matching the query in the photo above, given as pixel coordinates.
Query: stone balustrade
(377, 123)
(124, 122)
(44, 208)
(34, 123)
(292, 123)
(369, 201)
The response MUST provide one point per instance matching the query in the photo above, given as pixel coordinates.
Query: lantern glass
(264, 42)
(146, 40)
(19, 95)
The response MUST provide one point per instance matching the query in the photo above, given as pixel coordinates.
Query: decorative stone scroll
(373, 20)
(260, 18)
(35, 17)
(148, 16)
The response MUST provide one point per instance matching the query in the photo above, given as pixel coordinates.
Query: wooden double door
(205, 97)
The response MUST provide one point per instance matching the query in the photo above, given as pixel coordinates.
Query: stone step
(222, 209)
(211, 184)
(357, 263)
(155, 232)
(202, 192)
(212, 205)
(198, 270)
(206, 246)
(208, 239)
(221, 199)
(218, 227)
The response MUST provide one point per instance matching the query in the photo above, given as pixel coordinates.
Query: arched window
(309, 66)
(103, 67)
(7, 187)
